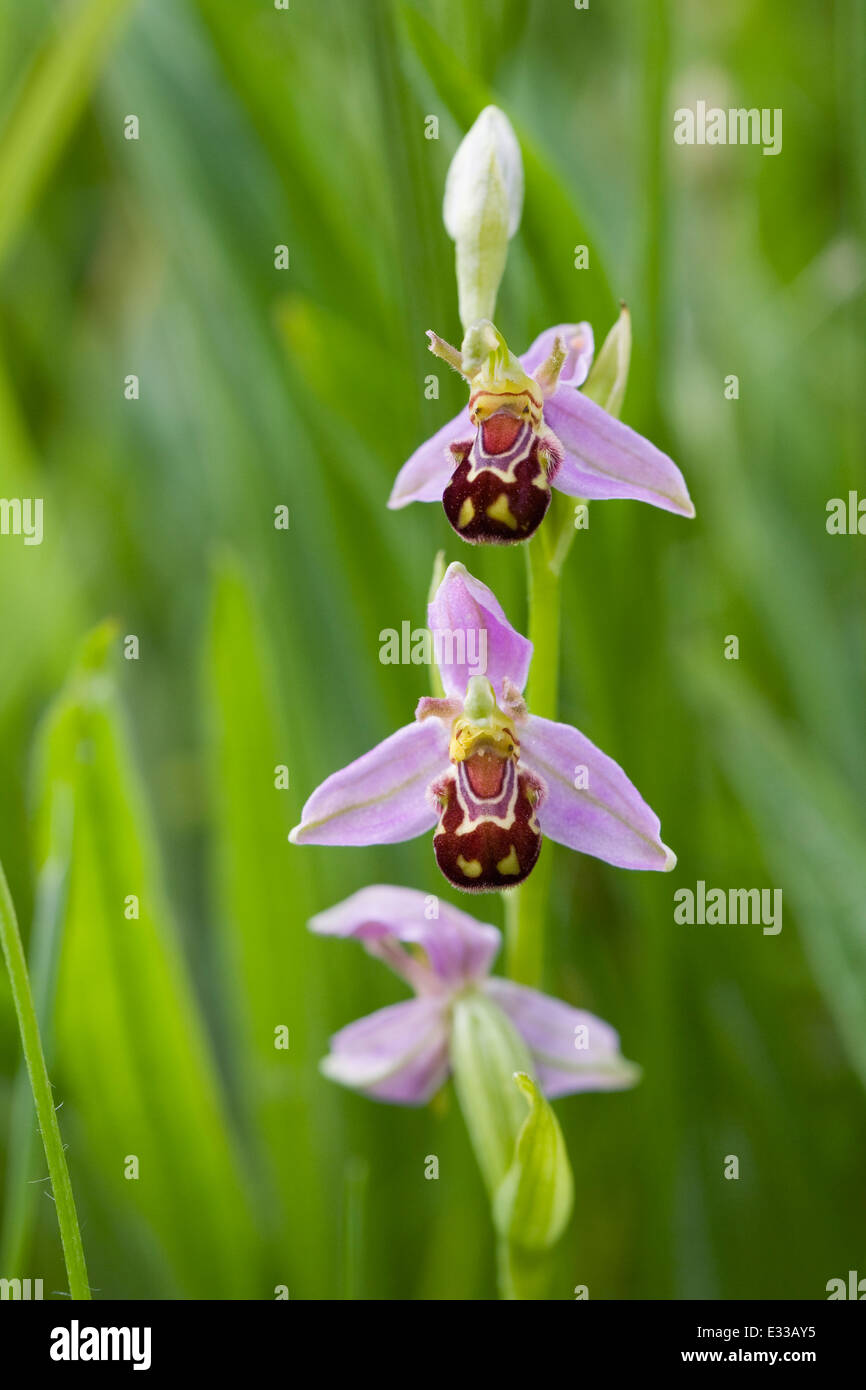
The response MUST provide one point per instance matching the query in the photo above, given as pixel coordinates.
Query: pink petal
(606, 459)
(572, 1050)
(608, 818)
(472, 635)
(458, 948)
(379, 799)
(425, 476)
(398, 1054)
(579, 341)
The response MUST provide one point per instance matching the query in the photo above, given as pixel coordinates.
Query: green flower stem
(70, 1234)
(546, 553)
(523, 1275)
(526, 906)
(543, 579)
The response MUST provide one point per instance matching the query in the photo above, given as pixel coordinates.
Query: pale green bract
(522, 1157)
(533, 1203)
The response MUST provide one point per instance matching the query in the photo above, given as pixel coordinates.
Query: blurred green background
(258, 647)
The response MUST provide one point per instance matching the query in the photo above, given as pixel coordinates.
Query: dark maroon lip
(500, 498)
(483, 844)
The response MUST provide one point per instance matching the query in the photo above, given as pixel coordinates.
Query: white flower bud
(488, 154)
(481, 210)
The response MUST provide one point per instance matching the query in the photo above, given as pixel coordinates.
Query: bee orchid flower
(477, 766)
(528, 428)
(403, 1053)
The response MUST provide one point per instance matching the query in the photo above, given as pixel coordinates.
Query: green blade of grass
(49, 104)
(355, 1180)
(264, 897)
(813, 835)
(67, 1217)
(136, 1060)
(52, 883)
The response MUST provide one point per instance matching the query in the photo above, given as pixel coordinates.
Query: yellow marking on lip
(500, 511)
(494, 730)
(468, 740)
(470, 868)
(467, 513)
(489, 397)
(510, 864)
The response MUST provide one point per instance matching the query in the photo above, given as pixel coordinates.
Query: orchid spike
(492, 778)
(402, 1053)
(528, 428)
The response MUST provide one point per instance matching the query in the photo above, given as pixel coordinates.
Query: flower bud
(481, 210)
